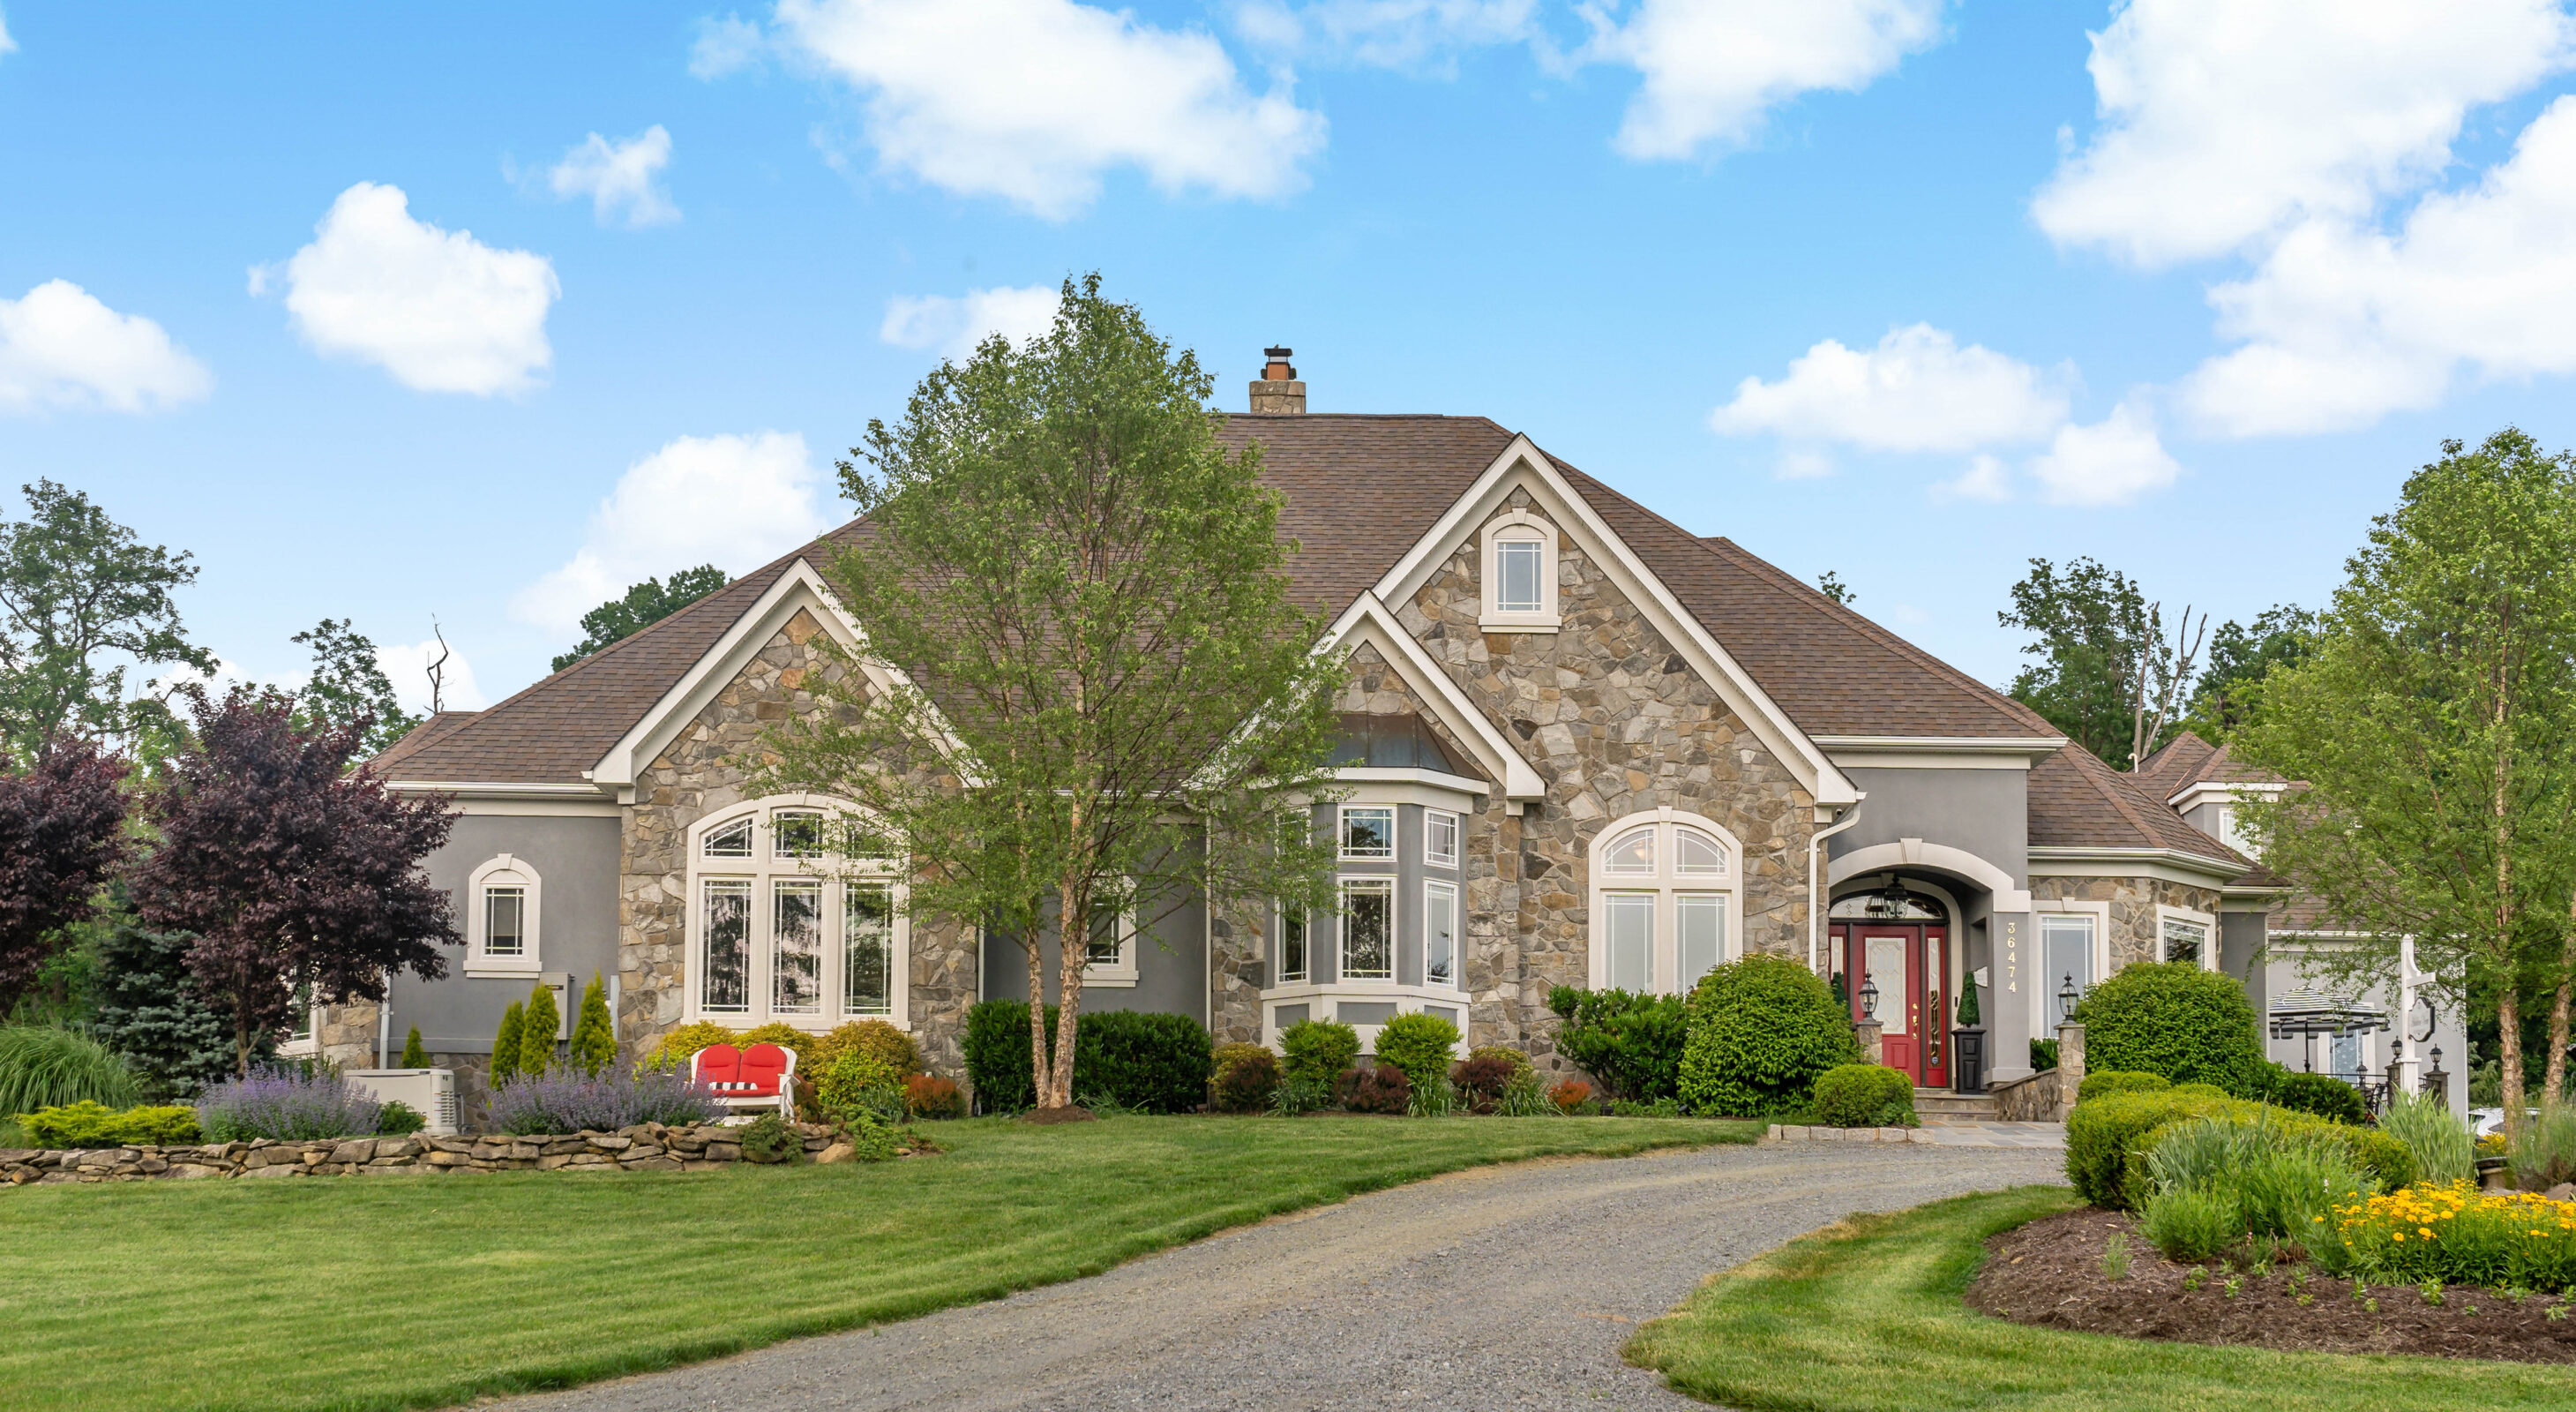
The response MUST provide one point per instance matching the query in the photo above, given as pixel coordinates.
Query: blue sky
(479, 314)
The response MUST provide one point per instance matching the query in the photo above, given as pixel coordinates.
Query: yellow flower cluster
(2458, 1234)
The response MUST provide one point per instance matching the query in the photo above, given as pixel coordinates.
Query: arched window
(501, 915)
(1665, 901)
(781, 928)
(1520, 574)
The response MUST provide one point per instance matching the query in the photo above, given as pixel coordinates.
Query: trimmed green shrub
(1969, 1017)
(1246, 1077)
(672, 1055)
(856, 1082)
(2102, 1083)
(1150, 1062)
(1630, 1040)
(2323, 1095)
(2175, 1019)
(594, 1035)
(1419, 1044)
(413, 1056)
(1374, 1088)
(767, 1138)
(400, 1119)
(2043, 1055)
(876, 1037)
(2206, 1184)
(1319, 1051)
(2107, 1139)
(1865, 1096)
(505, 1045)
(92, 1124)
(1761, 1030)
(2434, 1136)
(41, 1065)
(537, 1026)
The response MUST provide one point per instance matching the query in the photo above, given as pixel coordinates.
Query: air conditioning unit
(429, 1092)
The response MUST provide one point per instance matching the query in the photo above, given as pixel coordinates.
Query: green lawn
(372, 1292)
(1867, 1315)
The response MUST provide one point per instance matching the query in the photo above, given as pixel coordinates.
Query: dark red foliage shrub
(930, 1096)
(1480, 1081)
(1246, 1076)
(1374, 1088)
(61, 835)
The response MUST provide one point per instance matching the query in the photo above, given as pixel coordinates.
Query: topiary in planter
(1419, 1044)
(1375, 1088)
(2175, 1019)
(1865, 1096)
(1762, 1030)
(1318, 1051)
(1246, 1077)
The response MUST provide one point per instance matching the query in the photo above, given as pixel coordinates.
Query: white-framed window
(1440, 934)
(501, 915)
(1520, 571)
(1368, 929)
(781, 929)
(1665, 904)
(2231, 831)
(1109, 956)
(1368, 831)
(1293, 962)
(2185, 935)
(1440, 838)
(2067, 945)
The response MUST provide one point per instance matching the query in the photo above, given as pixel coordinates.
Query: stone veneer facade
(2132, 929)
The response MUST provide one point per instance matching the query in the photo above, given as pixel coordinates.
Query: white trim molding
(2199, 792)
(1938, 752)
(1368, 621)
(501, 797)
(503, 871)
(2207, 923)
(1517, 526)
(1916, 853)
(2167, 864)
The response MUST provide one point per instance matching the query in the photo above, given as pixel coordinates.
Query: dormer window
(1520, 574)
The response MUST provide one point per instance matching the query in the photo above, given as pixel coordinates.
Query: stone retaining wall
(647, 1147)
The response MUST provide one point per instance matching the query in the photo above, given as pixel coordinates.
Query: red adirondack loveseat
(763, 1076)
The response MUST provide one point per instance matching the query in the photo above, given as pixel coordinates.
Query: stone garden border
(646, 1147)
(1791, 1132)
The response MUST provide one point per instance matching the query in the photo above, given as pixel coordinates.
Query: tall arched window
(780, 928)
(1665, 901)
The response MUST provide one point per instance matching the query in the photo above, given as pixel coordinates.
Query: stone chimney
(1277, 389)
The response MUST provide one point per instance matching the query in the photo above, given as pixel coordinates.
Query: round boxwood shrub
(1246, 1076)
(1419, 1044)
(2177, 1020)
(1865, 1096)
(1318, 1052)
(2102, 1083)
(2322, 1094)
(1761, 1030)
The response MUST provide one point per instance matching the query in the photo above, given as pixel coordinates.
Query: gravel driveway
(1505, 1287)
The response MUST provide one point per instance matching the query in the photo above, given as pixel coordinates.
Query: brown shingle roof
(2076, 801)
(2188, 760)
(1361, 490)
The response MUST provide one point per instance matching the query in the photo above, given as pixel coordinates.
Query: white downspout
(385, 1023)
(1816, 901)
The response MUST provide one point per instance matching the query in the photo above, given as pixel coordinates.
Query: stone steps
(1942, 1106)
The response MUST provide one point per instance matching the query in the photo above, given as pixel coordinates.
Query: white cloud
(7, 45)
(1918, 390)
(955, 326)
(438, 309)
(2111, 462)
(619, 177)
(1712, 70)
(407, 667)
(61, 348)
(725, 46)
(1985, 480)
(1396, 34)
(1035, 100)
(1803, 463)
(2224, 121)
(732, 501)
(2342, 324)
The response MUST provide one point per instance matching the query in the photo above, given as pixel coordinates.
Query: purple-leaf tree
(61, 835)
(296, 874)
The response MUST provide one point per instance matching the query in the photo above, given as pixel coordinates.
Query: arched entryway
(1890, 949)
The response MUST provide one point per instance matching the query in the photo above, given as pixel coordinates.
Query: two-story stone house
(1584, 746)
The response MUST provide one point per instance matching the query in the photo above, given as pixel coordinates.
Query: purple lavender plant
(568, 1101)
(287, 1103)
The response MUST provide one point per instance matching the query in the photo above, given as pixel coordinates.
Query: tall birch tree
(1108, 704)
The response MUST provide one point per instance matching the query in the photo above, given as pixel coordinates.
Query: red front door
(1904, 960)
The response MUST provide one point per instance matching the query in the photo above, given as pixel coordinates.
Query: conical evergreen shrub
(594, 1035)
(505, 1046)
(414, 1057)
(537, 1026)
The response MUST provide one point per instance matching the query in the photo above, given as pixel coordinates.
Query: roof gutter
(1815, 879)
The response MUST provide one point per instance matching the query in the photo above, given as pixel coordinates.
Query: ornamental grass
(2459, 1235)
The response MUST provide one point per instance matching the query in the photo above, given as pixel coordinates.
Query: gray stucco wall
(1984, 812)
(1171, 969)
(576, 861)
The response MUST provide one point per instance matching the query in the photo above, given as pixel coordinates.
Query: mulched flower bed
(2050, 1273)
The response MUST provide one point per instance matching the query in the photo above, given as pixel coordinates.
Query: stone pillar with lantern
(2070, 1049)
(1866, 1028)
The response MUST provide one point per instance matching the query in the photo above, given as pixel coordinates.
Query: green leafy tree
(349, 688)
(1831, 585)
(1118, 704)
(506, 1044)
(413, 1056)
(594, 1036)
(2430, 723)
(81, 601)
(2239, 658)
(2107, 675)
(641, 607)
(537, 1026)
